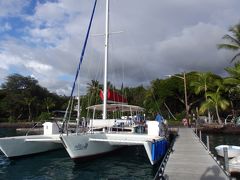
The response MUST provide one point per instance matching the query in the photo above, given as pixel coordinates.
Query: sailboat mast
(106, 61)
(78, 110)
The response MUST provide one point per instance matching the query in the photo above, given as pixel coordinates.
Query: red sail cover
(113, 97)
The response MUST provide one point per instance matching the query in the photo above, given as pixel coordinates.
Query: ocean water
(220, 139)
(126, 163)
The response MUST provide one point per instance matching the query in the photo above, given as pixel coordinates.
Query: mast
(78, 110)
(106, 61)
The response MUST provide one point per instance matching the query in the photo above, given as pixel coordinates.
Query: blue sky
(43, 39)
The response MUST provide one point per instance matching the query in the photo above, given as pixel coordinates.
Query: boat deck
(190, 160)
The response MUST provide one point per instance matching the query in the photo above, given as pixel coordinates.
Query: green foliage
(234, 41)
(203, 82)
(49, 103)
(173, 122)
(215, 100)
(44, 116)
(93, 91)
(11, 119)
(22, 98)
(180, 116)
(135, 95)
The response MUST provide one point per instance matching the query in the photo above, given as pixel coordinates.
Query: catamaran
(18, 146)
(81, 146)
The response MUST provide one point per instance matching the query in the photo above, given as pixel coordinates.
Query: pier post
(226, 163)
(200, 135)
(208, 146)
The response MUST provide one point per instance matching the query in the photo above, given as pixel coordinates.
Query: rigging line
(169, 111)
(84, 47)
(81, 58)
(69, 117)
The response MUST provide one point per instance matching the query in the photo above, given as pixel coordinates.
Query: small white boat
(233, 151)
(234, 165)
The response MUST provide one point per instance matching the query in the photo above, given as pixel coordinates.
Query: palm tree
(234, 73)
(214, 100)
(93, 86)
(93, 90)
(28, 101)
(203, 82)
(234, 41)
(49, 103)
(233, 85)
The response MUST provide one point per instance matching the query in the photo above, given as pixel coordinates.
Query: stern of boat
(156, 150)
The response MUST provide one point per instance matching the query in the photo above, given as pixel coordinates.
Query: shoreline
(219, 129)
(18, 125)
(207, 128)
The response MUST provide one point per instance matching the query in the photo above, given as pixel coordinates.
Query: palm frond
(231, 81)
(228, 46)
(238, 54)
(235, 30)
(224, 104)
(232, 39)
(206, 105)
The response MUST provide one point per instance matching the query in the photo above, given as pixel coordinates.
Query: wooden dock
(190, 160)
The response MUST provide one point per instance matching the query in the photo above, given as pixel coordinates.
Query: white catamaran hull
(27, 145)
(86, 146)
(81, 147)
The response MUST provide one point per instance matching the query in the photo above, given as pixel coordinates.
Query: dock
(189, 160)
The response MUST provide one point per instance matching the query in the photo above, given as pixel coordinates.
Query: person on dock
(160, 120)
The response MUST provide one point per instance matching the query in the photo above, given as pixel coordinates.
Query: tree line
(22, 98)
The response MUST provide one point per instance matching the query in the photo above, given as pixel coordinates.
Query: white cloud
(49, 14)
(6, 60)
(38, 67)
(12, 7)
(160, 37)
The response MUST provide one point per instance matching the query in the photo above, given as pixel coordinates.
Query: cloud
(158, 38)
(6, 60)
(38, 67)
(195, 48)
(12, 7)
(5, 27)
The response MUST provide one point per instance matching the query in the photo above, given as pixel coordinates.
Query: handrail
(31, 128)
(209, 152)
(160, 172)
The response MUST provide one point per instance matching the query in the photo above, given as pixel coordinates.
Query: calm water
(220, 139)
(127, 163)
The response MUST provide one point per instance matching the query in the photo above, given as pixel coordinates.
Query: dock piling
(208, 146)
(226, 163)
(200, 135)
